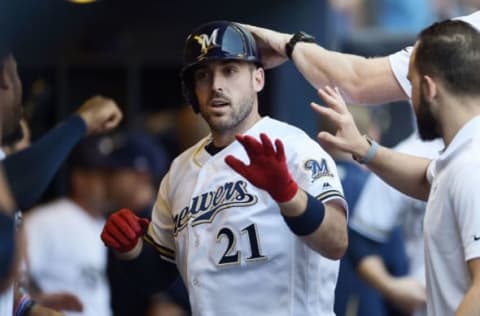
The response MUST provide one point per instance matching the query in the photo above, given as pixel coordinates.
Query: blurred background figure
(135, 164)
(381, 214)
(63, 249)
(354, 296)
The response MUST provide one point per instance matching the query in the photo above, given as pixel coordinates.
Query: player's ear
(258, 79)
(429, 87)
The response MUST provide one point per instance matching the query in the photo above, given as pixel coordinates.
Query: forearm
(470, 305)
(147, 269)
(373, 270)
(361, 80)
(330, 238)
(406, 173)
(30, 171)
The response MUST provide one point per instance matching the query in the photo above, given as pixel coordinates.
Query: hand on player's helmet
(271, 45)
(123, 230)
(100, 114)
(268, 167)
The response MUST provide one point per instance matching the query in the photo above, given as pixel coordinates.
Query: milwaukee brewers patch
(317, 169)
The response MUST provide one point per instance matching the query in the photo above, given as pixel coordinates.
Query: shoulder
(292, 136)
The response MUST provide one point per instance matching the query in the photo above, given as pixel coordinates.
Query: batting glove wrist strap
(310, 220)
(268, 168)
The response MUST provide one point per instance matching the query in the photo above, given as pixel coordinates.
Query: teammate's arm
(470, 304)
(363, 80)
(322, 226)
(123, 232)
(406, 173)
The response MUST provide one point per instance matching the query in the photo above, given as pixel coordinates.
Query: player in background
(28, 172)
(444, 77)
(240, 234)
(378, 213)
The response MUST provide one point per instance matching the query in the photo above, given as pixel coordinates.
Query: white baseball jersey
(399, 60)
(452, 220)
(66, 254)
(232, 247)
(380, 208)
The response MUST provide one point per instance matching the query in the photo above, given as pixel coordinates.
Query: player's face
(227, 94)
(428, 126)
(11, 95)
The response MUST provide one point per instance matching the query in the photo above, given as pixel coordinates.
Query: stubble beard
(235, 119)
(428, 126)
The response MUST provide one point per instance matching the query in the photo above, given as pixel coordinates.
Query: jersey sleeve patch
(165, 252)
(317, 169)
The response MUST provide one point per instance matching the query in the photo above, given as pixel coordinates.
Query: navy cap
(137, 150)
(124, 150)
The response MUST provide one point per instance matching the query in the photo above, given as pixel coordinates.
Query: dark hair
(450, 51)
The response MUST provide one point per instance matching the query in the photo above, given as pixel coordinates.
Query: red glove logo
(123, 229)
(268, 167)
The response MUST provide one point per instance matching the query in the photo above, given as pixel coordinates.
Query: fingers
(130, 223)
(280, 150)
(122, 230)
(333, 98)
(144, 224)
(267, 144)
(328, 139)
(237, 165)
(251, 145)
(326, 112)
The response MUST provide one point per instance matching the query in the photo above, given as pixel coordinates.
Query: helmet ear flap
(189, 92)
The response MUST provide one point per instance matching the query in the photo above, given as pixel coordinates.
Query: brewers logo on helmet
(219, 40)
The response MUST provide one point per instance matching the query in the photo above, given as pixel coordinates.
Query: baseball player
(444, 77)
(262, 237)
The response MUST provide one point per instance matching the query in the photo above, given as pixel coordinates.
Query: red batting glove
(268, 167)
(123, 229)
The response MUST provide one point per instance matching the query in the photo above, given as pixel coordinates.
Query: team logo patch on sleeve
(317, 169)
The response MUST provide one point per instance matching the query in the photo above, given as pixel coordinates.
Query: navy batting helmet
(218, 40)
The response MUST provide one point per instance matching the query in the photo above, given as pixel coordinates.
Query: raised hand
(271, 45)
(268, 167)
(100, 114)
(347, 137)
(123, 229)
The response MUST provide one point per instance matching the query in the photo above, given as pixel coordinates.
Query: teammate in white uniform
(226, 235)
(444, 74)
(65, 254)
(381, 208)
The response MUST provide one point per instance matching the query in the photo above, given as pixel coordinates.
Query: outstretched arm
(322, 226)
(470, 304)
(404, 172)
(363, 80)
